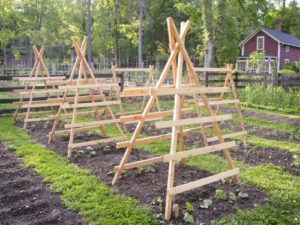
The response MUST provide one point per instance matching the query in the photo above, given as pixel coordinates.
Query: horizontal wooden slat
(96, 142)
(152, 115)
(204, 181)
(69, 115)
(178, 155)
(217, 70)
(38, 78)
(37, 119)
(82, 86)
(93, 123)
(40, 105)
(120, 70)
(35, 113)
(45, 91)
(221, 102)
(184, 122)
(135, 92)
(153, 139)
(89, 104)
(188, 91)
(76, 130)
(226, 136)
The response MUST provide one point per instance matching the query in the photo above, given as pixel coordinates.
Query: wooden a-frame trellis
(149, 83)
(38, 77)
(179, 90)
(88, 95)
(219, 101)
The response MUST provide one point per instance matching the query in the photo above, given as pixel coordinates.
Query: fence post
(206, 79)
(236, 79)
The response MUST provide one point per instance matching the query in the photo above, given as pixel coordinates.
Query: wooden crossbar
(96, 142)
(93, 123)
(157, 138)
(37, 119)
(204, 181)
(188, 91)
(226, 136)
(86, 86)
(131, 69)
(38, 78)
(221, 102)
(179, 155)
(40, 105)
(45, 91)
(69, 115)
(92, 104)
(184, 122)
(217, 70)
(153, 115)
(76, 130)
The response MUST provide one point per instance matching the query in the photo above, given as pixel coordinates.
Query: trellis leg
(54, 127)
(205, 102)
(176, 116)
(142, 121)
(26, 88)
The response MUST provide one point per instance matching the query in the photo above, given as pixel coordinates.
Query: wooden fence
(244, 79)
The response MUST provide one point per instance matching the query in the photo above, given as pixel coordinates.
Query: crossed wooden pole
(95, 98)
(178, 90)
(39, 73)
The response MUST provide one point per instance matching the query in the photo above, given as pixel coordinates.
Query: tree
(140, 54)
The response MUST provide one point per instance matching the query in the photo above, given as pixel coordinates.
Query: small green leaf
(188, 218)
(232, 196)
(189, 207)
(243, 195)
(206, 203)
(220, 194)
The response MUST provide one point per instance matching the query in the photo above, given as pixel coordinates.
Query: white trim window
(260, 43)
(286, 61)
(287, 48)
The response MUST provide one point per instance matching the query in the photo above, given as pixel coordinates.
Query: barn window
(260, 43)
(287, 48)
(286, 61)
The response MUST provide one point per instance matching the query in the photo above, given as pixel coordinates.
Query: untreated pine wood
(204, 181)
(178, 155)
(38, 78)
(226, 136)
(96, 142)
(86, 86)
(93, 123)
(185, 122)
(91, 104)
(188, 91)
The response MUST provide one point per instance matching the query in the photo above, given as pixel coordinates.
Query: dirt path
(26, 200)
(148, 185)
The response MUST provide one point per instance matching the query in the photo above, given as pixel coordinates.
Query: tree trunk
(116, 33)
(140, 45)
(208, 54)
(89, 33)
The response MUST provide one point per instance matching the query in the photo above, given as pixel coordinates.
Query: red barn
(281, 47)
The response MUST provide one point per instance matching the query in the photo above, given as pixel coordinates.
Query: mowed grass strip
(79, 190)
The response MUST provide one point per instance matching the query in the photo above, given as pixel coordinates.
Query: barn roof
(281, 37)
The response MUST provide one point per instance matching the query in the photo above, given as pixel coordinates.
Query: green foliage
(256, 61)
(291, 67)
(79, 190)
(188, 218)
(189, 207)
(220, 194)
(275, 98)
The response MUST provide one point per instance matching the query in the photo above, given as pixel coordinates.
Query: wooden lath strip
(157, 138)
(45, 91)
(40, 105)
(221, 102)
(120, 70)
(87, 86)
(217, 70)
(96, 142)
(226, 136)
(89, 104)
(188, 91)
(93, 123)
(152, 115)
(38, 78)
(76, 130)
(69, 115)
(204, 181)
(191, 121)
(179, 155)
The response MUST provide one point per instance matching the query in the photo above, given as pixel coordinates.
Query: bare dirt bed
(26, 200)
(148, 185)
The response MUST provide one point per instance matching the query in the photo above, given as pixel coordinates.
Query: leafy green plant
(220, 194)
(189, 207)
(188, 218)
(232, 197)
(206, 203)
